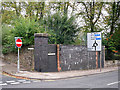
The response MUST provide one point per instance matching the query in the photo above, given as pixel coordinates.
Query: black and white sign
(94, 41)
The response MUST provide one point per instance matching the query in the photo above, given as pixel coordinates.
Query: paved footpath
(11, 70)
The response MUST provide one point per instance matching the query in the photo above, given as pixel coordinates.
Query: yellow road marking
(49, 80)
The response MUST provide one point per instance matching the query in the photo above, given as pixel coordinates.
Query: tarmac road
(103, 80)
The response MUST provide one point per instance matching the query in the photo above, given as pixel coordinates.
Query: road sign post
(18, 67)
(100, 62)
(18, 43)
(94, 43)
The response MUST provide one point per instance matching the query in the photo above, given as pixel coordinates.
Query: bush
(21, 27)
(61, 28)
(7, 39)
(25, 28)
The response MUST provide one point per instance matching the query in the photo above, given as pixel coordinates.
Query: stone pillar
(41, 52)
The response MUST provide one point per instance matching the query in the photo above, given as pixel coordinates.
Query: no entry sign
(18, 42)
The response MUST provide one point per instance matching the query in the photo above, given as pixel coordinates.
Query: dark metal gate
(52, 57)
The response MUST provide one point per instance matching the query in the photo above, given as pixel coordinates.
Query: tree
(22, 27)
(112, 22)
(115, 16)
(10, 11)
(35, 7)
(63, 7)
(8, 16)
(63, 30)
(91, 14)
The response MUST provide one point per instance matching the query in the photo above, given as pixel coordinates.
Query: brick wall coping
(41, 35)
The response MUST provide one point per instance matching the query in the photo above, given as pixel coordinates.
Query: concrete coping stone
(41, 35)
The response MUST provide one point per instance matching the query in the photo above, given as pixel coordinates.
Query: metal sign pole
(96, 56)
(18, 67)
(94, 39)
(100, 61)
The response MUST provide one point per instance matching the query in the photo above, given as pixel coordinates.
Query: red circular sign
(18, 42)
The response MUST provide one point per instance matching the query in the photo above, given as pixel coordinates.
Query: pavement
(11, 70)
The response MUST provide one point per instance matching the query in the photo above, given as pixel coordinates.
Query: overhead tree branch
(113, 18)
(93, 9)
(86, 9)
(117, 10)
(98, 14)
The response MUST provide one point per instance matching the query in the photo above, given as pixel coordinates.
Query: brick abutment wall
(71, 57)
(76, 57)
(64, 58)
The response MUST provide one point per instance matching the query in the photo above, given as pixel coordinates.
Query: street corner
(14, 76)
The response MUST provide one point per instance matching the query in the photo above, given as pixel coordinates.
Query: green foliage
(112, 45)
(7, 39)
(112, 41)
(62, 29)
(77, 41)
(116, 38)
(10, 11)
(22, 27)
(91, 15)
(8, 16)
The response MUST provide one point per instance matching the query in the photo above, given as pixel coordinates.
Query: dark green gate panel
(52, 58)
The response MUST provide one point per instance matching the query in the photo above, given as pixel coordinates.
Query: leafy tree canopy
(63, 30)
